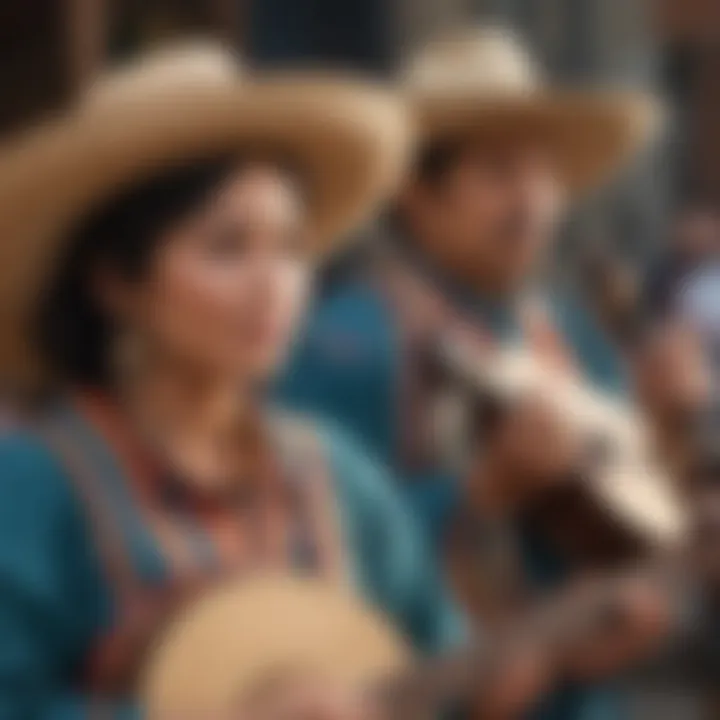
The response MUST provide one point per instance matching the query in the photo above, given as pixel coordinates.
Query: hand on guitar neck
(585, 632)
(526, 451)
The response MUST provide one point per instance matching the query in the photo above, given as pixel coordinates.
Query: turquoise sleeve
(51, 592)
(393, 561)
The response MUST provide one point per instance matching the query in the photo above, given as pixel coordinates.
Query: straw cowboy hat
(349, 138)
(484, 84)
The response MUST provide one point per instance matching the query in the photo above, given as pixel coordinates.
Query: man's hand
(670, 372)
(532, 447)
(606, 624)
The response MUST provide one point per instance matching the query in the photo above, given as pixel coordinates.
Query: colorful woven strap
(426, 320)
(107, 532)
(318, 534)
(112, 543)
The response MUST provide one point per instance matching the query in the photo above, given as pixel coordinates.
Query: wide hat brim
(591, 133)
(350, 140)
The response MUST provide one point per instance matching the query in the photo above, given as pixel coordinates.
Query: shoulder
(344, 361)
(367, 501)
(27, 464)
(361, 479)
(393, 563)
(371, 507)
(307, 435)
(361, 484)
(351, 325)
(36, 496)
(361, 299)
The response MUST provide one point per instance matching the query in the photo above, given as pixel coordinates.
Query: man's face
(492, 212)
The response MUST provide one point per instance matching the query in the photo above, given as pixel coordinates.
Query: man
(499, 160)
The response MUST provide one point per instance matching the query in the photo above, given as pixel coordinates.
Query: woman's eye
(227, 243)
(235, 242)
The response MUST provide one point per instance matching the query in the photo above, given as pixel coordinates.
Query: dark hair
(436, 160)
(123, 233)
(432, 164)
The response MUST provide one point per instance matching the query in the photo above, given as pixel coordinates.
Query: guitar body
(623, 490)
(241, 637)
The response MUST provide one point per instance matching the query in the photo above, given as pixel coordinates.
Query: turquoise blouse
(55, 601)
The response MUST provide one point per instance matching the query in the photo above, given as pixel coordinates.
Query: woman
(159, 246)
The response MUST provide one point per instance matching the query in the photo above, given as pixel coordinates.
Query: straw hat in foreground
(349, 138)
(242, 638)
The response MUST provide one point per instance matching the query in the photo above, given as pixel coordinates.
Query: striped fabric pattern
(159, 544)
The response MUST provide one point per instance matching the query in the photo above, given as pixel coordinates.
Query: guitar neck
(558, 626)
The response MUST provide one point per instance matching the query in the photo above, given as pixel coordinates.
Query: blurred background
(50, 49)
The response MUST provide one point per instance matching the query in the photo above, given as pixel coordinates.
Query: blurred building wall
(47, 49)
(51, 48)
(347, 33)
(690, 30)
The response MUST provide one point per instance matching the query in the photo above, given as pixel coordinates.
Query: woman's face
(226, 286)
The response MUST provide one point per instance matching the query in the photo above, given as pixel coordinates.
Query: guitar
(467, 381)
(620, 490)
